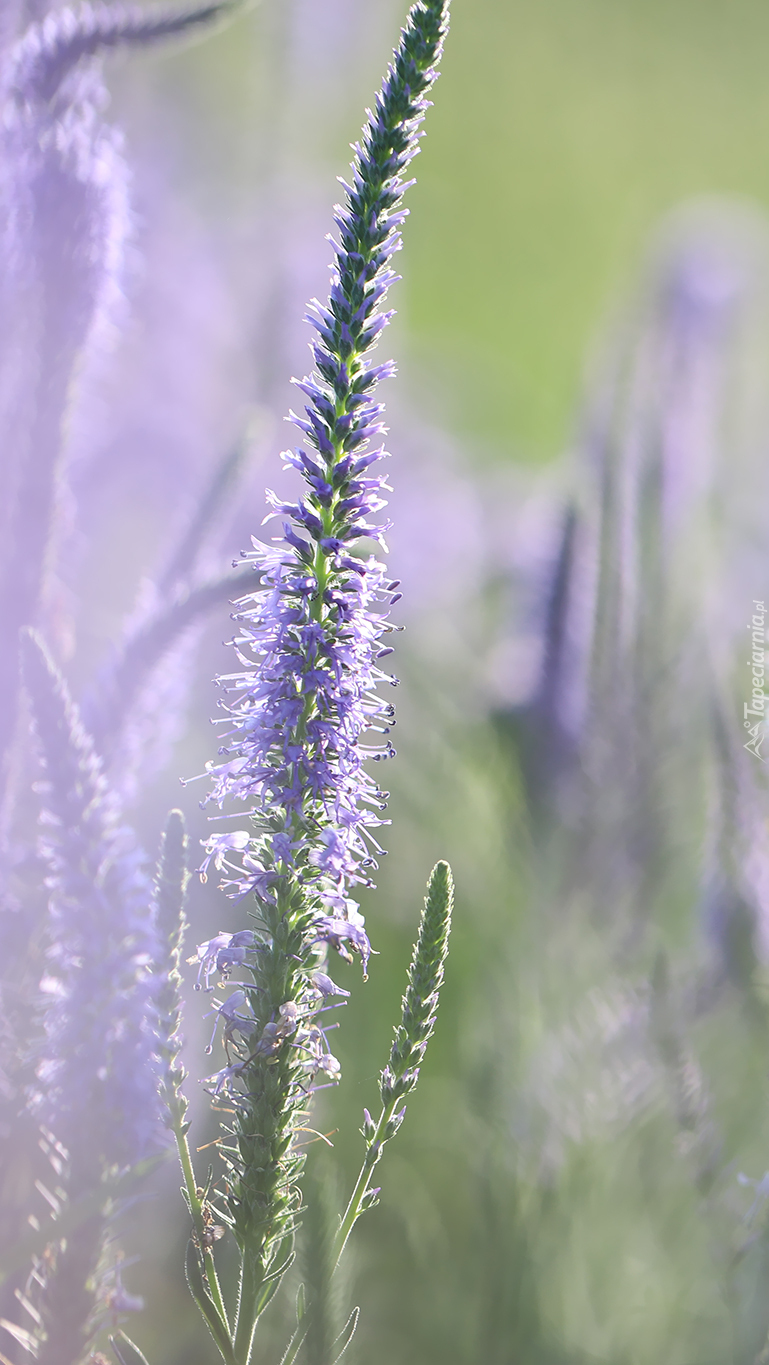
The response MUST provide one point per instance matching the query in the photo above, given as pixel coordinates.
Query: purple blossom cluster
(295, 1024)
(302, 705)
(310, 641)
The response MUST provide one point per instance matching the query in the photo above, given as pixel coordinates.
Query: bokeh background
(566, 1188)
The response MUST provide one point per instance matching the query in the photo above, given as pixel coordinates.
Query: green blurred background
(562, 131)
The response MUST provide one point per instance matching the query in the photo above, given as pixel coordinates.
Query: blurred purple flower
(64, 222)
(137, 745)
(607, 669)
(97, 1071)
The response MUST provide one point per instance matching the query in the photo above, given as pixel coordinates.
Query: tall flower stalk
(310, 646)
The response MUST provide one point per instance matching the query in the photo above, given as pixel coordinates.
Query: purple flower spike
(310, 640)
(303, 714)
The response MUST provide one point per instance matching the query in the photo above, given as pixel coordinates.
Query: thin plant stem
(358, 1202)
(198, 1220)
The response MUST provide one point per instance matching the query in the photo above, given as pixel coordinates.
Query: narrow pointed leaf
(21, 1335)
(127, 1353)
(347, 1333)
(294, 1346)
(197, 1285)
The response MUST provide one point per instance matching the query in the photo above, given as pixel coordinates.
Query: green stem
(250, 1284)
(320, 564)
(199, 1224)
(373, 1152)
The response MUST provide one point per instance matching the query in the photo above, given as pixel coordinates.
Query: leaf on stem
(347, 1333)
(199, 1291)
(127, 1353)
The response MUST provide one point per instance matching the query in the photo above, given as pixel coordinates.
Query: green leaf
(281, 1270)
(347, 1333)
(199, 1291)
(22, 1336)
(268, 1292)
(294, 1346)
(125, 1350)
